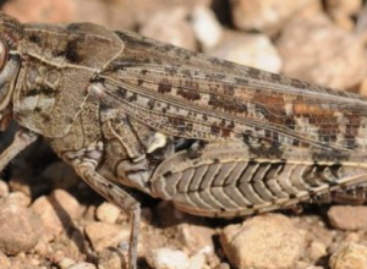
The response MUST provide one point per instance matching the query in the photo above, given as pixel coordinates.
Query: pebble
(223, 265)
(21, 184)
(255, 50)
(68, 203)
(317, 51)
(20, 228)
(269, 15)
(18, 198)
(197, 261)
(103, 235)
(65, 263)
(108, 213)
(57, 212)
(196, 238)
(167, 258)
(267, 242)
(352, 238)
(317, 250)
(207, 28)
(351, 256)
(348, 217)
(177, 30)
(42, 248)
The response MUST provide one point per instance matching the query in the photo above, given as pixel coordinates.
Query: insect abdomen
(245, 187)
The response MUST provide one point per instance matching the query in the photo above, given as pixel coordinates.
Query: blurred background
(321, 41)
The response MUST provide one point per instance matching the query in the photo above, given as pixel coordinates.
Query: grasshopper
(216, 138)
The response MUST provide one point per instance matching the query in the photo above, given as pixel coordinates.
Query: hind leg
(85, 167)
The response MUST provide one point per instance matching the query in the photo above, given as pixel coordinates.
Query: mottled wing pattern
(194, 96)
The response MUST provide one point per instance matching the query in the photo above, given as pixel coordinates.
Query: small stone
(18, 184)
(197, 261)
(18, 198)
(108, 213)
(317, 250)
(66, 263)
(255, 50)
(317, 51)
(351, 256)
(195, 238)
(267, 242)
(206, 27)
(270, 15)
(4, 261)
(42, 248)
(68, 203)
(348, 217)
(352, 238)
(166, 258)
(4, 189)
(57, 212)
(111, 258)
(223, 265)
(20, 229)
(177, 30)
(103, 235)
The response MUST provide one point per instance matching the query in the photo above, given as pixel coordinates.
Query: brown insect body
(216, 138)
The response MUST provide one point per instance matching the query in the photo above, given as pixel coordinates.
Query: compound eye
(3, 54)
